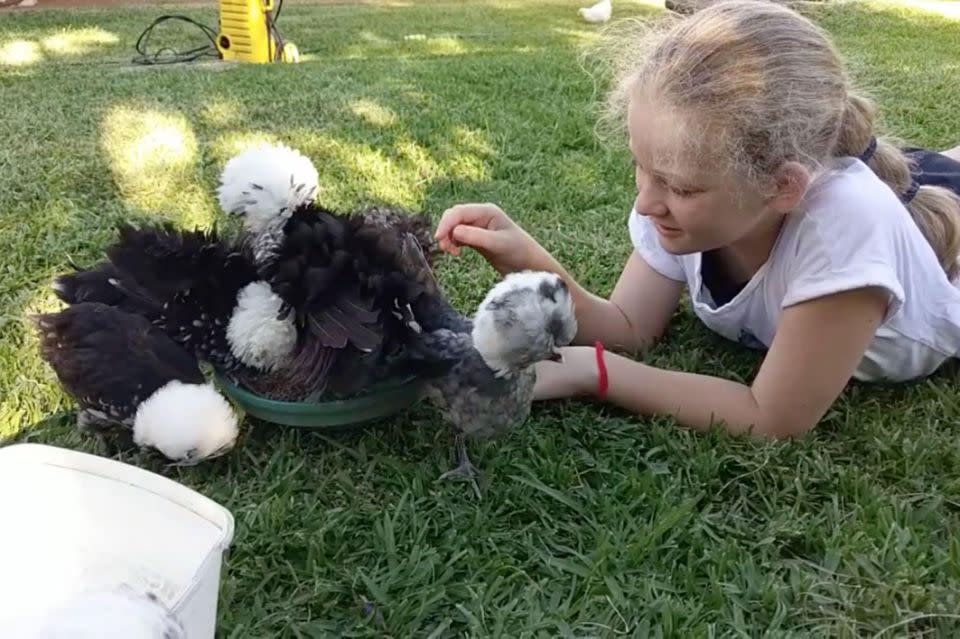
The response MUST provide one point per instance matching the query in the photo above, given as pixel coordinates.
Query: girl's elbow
(781, 427)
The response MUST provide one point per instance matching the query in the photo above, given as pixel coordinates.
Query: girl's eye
(662, 183)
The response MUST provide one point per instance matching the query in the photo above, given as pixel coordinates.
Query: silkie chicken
(342, 273)
(204, 292)
(599, 12)
(480, 373)
(125, 373)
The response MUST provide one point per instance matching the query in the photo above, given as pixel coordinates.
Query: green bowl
(384, 399)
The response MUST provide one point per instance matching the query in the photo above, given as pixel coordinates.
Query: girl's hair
(763, 85)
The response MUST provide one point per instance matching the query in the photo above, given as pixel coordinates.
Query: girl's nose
(650, 202)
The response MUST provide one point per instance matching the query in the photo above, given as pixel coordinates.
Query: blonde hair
(766, 86)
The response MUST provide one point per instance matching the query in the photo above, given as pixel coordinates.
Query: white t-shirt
(851, 231)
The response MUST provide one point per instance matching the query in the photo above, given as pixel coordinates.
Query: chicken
(480, 372)
(205, 293)
(599, 12)
(125, 373)
(342, 273)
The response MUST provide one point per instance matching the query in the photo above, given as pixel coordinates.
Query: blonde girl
(763, 192)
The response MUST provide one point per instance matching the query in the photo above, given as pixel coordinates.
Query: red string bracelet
(603, 383)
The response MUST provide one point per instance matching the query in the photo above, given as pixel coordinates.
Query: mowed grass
(593, 523)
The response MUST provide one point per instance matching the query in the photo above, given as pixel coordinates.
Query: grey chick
(481, 372)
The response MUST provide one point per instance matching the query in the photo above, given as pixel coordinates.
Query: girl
(761, 189)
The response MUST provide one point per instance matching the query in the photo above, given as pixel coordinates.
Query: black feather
(353, 281)
(100, 284)
(303, 379)
(194, 277)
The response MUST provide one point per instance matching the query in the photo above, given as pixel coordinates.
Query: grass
(595, 523)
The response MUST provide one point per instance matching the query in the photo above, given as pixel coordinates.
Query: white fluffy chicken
(126, 373)
(597, 13)
(266, 185)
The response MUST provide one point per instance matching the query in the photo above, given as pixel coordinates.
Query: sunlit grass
(16, 53)
(33, 391)
(373, 113)
(67, 42)
(233, 143)
(153, 156)
(944, 8)
(77, 41)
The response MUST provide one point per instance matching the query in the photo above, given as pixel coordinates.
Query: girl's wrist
(588, 371)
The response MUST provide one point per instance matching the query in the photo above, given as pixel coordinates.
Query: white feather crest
(265, 183)
(257, 336)
(187, 423)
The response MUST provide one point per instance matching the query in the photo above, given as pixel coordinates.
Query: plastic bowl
(383, 400)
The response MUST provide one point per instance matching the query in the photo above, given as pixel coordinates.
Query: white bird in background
(599, 12)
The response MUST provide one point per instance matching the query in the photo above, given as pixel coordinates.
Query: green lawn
(594, 523)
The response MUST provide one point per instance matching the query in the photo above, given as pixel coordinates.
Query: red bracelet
(603, 383)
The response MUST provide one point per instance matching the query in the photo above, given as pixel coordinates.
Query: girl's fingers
(449, 246)
(475, 237)
(464, 214)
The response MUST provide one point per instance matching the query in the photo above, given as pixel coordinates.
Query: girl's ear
(790, 185)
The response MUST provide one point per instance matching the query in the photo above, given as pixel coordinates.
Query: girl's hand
(488, 230)
(575, 376)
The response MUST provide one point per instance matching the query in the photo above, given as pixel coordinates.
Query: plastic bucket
(74, 523)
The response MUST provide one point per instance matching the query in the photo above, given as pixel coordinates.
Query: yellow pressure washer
(247, 33)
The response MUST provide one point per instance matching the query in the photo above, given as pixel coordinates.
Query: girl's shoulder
(848, 196)
(851, 231)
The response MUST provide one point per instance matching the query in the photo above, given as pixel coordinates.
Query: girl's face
(693, 208)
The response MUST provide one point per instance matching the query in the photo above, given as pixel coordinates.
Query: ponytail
(935, 210)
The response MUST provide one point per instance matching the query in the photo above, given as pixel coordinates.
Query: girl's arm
(813, 356)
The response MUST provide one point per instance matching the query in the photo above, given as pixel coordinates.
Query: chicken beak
(556, 356)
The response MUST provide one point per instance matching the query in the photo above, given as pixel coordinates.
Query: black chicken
(204, 292)
(126, 373)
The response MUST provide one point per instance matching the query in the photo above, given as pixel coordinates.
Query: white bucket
(73, 523)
